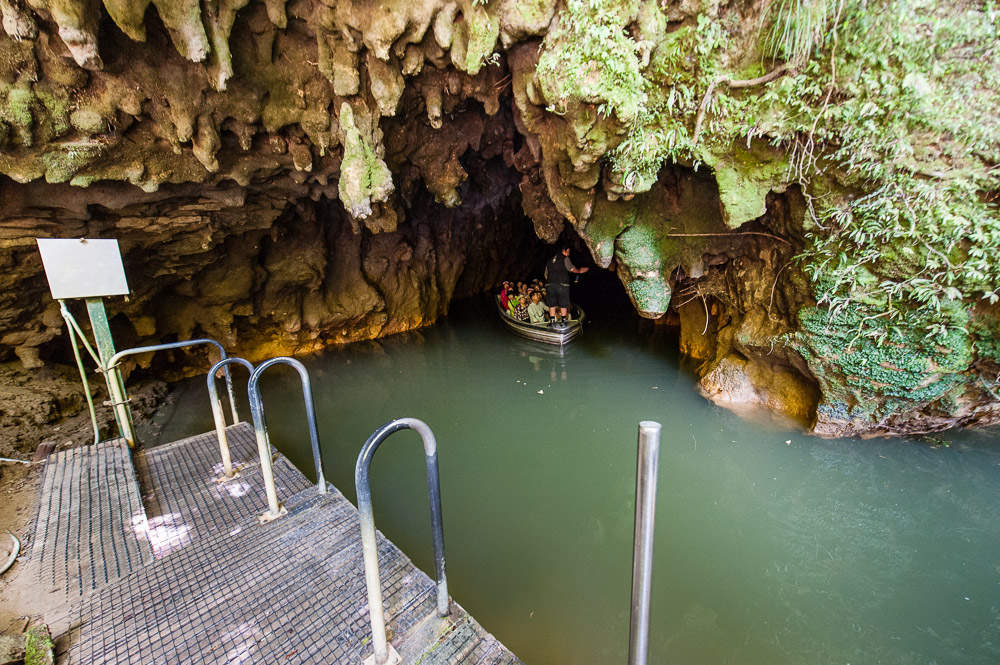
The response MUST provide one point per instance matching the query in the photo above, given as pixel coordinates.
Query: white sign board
(83, 268)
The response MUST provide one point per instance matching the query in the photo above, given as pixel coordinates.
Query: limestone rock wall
(263, 274)
(286, 174)
(241, 154)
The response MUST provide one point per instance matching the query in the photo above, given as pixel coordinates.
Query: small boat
(545, 332)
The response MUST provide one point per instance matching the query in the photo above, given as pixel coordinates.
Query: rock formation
(287, 174)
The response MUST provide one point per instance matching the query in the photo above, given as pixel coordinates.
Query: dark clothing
(521, 311)
(558, 269)
(557, 296)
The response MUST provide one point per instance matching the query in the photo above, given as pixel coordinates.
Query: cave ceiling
(287, 174)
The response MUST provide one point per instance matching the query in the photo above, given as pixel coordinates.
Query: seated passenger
(505, 295)
(512, 302)
(537, 311)
(521, 310)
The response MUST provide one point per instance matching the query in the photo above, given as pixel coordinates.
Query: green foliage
(855, 349)
(918, 135)
(672, 86)
(887, 111)
(797, 26)
(589, 57)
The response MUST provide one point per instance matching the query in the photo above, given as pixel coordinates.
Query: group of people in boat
(538, 303)
(525, 302)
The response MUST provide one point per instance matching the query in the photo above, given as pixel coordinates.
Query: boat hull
(543, 332)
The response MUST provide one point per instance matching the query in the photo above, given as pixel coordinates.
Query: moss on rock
(364, 177)
(869, 382)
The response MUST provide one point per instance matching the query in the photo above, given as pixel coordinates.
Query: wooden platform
(191, 577)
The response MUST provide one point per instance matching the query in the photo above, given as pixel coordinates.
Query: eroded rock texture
(287, 174)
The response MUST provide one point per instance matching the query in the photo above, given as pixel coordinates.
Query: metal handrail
(642, 549)
(218, 415)
(363, 487)
(116, 385)
(263, 439)
(115, 359)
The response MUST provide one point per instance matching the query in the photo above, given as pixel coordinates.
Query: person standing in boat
(557, 273)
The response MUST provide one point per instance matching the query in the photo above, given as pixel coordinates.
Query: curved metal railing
(263, 440)
(363, 487)
(117, 388)
(219, 416)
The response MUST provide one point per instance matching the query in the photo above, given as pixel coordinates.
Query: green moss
(745, 178)
(642, 269)
(529, 12)
(38, 647)
(608, 221)
(57, 106)
(63, 161)
(481, 32)
(589, 58)
(17, 110)
(870, 366)
(363, 176)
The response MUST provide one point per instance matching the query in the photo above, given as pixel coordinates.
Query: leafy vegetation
(888, 111)
(918, 140)
(594, 60)
(662, 131)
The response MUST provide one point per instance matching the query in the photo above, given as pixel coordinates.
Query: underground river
(772, 547)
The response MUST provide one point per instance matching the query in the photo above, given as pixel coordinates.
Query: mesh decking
(184, 501)
(223, 588)
(292, 591)
(84, 535)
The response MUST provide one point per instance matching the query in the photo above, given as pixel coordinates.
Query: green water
(772, 547)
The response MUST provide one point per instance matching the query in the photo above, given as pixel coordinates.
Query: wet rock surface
(283, 175)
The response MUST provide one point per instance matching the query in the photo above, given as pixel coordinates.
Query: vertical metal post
(106, 350)
(274, 509)
(642, 556)
(70, 323)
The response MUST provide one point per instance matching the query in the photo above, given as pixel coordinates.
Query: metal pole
(113, 377)
(384, 652)
(183, 345)
(642, 556)
(274, 509)
(83, 371)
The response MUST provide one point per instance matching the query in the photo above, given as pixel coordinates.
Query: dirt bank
(41, 406)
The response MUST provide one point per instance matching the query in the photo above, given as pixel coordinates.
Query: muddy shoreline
(41, 406)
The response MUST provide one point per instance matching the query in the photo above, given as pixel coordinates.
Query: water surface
(772, 547)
